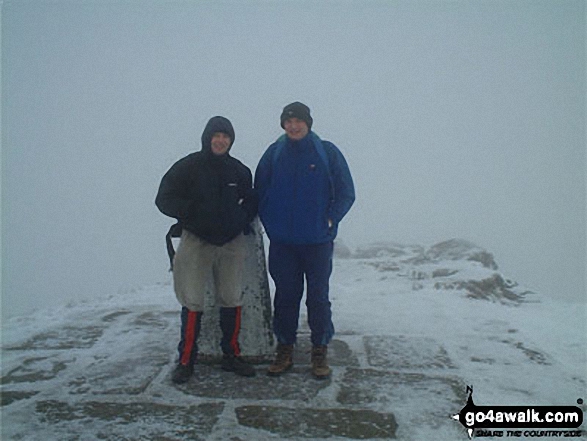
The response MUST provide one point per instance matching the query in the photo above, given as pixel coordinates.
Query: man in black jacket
(210, 194)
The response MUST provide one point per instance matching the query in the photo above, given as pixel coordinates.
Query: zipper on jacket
(295, 193)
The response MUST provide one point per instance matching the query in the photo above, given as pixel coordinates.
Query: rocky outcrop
(458, 249)
(454, 264)
(493, 288)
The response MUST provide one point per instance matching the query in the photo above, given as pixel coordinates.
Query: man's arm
(344, 189)
(250, 201)
(263, 174)
(172, 199)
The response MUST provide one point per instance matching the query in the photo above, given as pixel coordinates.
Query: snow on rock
(454, 264)
(458, 249)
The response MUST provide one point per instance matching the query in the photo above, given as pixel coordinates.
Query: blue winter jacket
(301, 186)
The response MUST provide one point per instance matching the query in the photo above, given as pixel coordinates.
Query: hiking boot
(320, 368)
(230, 363)
(283, 360)
(182, 373)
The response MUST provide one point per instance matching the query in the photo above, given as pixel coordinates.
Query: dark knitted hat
(297, 110)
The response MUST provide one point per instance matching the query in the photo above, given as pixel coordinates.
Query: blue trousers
(288, 266)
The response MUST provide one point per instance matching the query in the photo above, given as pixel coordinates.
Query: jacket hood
(216, 124)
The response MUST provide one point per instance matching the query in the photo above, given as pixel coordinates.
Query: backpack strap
(277, 151)
(174, 231)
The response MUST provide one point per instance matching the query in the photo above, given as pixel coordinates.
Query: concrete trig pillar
(256, 335)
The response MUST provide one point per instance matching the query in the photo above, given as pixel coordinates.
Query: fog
(459, 119)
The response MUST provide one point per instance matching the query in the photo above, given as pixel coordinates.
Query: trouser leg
(228, 275)
(286, 272)
(227, 269)
(230, 320)
(190, 330)
(192, 271)
(230, 323)
(318, 268)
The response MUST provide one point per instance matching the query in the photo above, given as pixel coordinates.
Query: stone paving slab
(112, 316)
(298, 384)
(402, 352)
(124, 369)
(157, 320)
(36, 369)
(211, 382)
(8, 397)
(130, 376)
(436, 396)
(66, 337)
(318, 423)
(144, 420)
(339, 353)
(137, 361)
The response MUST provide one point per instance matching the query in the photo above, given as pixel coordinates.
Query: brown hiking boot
(320, 368)
(283, 360)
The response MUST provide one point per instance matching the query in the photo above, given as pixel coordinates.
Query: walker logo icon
(482, 420)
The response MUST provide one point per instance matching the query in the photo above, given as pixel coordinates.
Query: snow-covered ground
(405, 303)
(535, 350)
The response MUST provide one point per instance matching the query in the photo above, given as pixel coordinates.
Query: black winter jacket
(211, 196)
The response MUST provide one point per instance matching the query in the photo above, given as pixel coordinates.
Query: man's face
(295, 128)
(220, 143)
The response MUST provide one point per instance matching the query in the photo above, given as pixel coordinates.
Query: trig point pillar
(256, 335)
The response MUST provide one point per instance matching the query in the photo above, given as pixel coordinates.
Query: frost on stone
(494, 288)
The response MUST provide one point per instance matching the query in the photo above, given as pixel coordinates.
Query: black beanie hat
(297, 110)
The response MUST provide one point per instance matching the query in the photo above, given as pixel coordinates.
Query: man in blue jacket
(305, 189)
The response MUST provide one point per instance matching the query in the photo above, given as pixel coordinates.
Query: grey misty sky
(458, 119)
